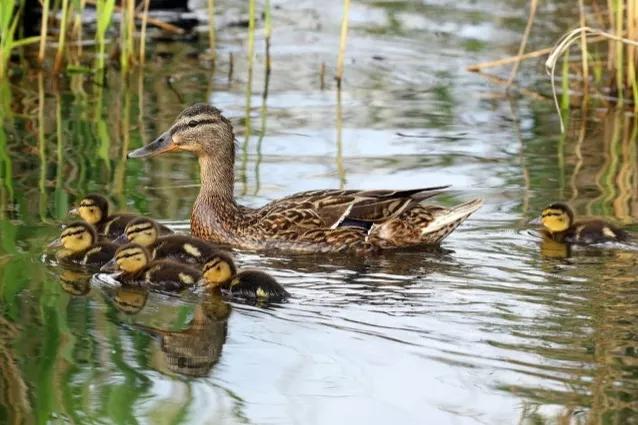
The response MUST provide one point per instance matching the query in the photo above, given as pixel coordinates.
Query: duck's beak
(536, 221)
(55, 244)
(74, 211)
(163, 143)
(110, 267)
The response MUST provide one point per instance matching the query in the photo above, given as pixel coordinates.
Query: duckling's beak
(536, 221)
(74, 211)
(111, 266)
(55, 244)
(121, 240)
(163, 143)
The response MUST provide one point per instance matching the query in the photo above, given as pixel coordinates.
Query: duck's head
(129, 258)
(77, 236)
(143, 231)
(92, 209)
(218, 270)
(557, 217)
(200, 129)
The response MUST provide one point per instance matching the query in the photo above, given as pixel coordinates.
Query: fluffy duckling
(220, 271)
(79, 245)
(558, 223)
(137, 269)
(182, 248)
(94, 209)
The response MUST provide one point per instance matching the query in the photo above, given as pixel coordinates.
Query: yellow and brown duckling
(78, 244)
(94, 209)
(220, 272)
(361, 221)
(559, 224)
(137, 269)
(182, 248)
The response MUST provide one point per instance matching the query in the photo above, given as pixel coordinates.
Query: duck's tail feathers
(443, 224)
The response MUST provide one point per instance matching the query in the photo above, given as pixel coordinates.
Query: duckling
(79, 245)
(94, 209)
(137, 269)
(559, 225)
(220, 271)
(182, 248)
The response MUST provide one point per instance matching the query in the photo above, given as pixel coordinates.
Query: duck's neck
(215, 211)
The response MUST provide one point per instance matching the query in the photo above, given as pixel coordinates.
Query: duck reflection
(195, 350)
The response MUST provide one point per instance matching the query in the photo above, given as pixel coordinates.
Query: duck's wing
(361, 208)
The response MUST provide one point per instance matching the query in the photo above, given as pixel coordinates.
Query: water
(496, 327)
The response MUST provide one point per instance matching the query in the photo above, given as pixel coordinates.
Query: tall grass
(607, 34)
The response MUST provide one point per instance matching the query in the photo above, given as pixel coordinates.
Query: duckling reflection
(129, 299)
(195, 350)
(554, 249)
(75, 283)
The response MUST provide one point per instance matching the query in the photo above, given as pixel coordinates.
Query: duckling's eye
(218, 268)
(192, 124)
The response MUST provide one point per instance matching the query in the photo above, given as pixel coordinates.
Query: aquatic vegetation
(607, 36)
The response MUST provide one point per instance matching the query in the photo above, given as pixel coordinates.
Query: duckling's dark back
(164, 275)
(183, 248)
(97, 254)
(254, 284)
(595, 231)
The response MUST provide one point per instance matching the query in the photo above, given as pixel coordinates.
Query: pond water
(496, 327)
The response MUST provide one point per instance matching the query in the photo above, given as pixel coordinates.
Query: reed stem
(342, 42)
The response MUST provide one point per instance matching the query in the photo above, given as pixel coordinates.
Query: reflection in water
(498, 326)
(74, 282)
(196, 349)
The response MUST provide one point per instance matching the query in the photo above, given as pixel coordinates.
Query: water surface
(496, 327)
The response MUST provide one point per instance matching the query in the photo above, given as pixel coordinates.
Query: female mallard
(182, 248)
(137, 269)
(558, 223)
(220, 272)
(94, 209)
(315, 221)
(79, 245)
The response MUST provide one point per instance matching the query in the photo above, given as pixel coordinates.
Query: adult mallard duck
(182, 248)
(137, 269)
(315, 221)
(559, 224)
(94, 209)
(220, 272)
(78, 245)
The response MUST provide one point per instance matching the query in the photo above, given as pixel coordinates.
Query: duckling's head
(200, 129)
(77, 236)
(92, 209)
(557, 217)
(142, 230)
(218, 270)
(131, 258)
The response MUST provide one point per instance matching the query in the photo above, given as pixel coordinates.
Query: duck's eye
(218, 268)
(192, 123)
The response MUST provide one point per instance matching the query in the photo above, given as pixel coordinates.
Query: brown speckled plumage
(314, 221)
